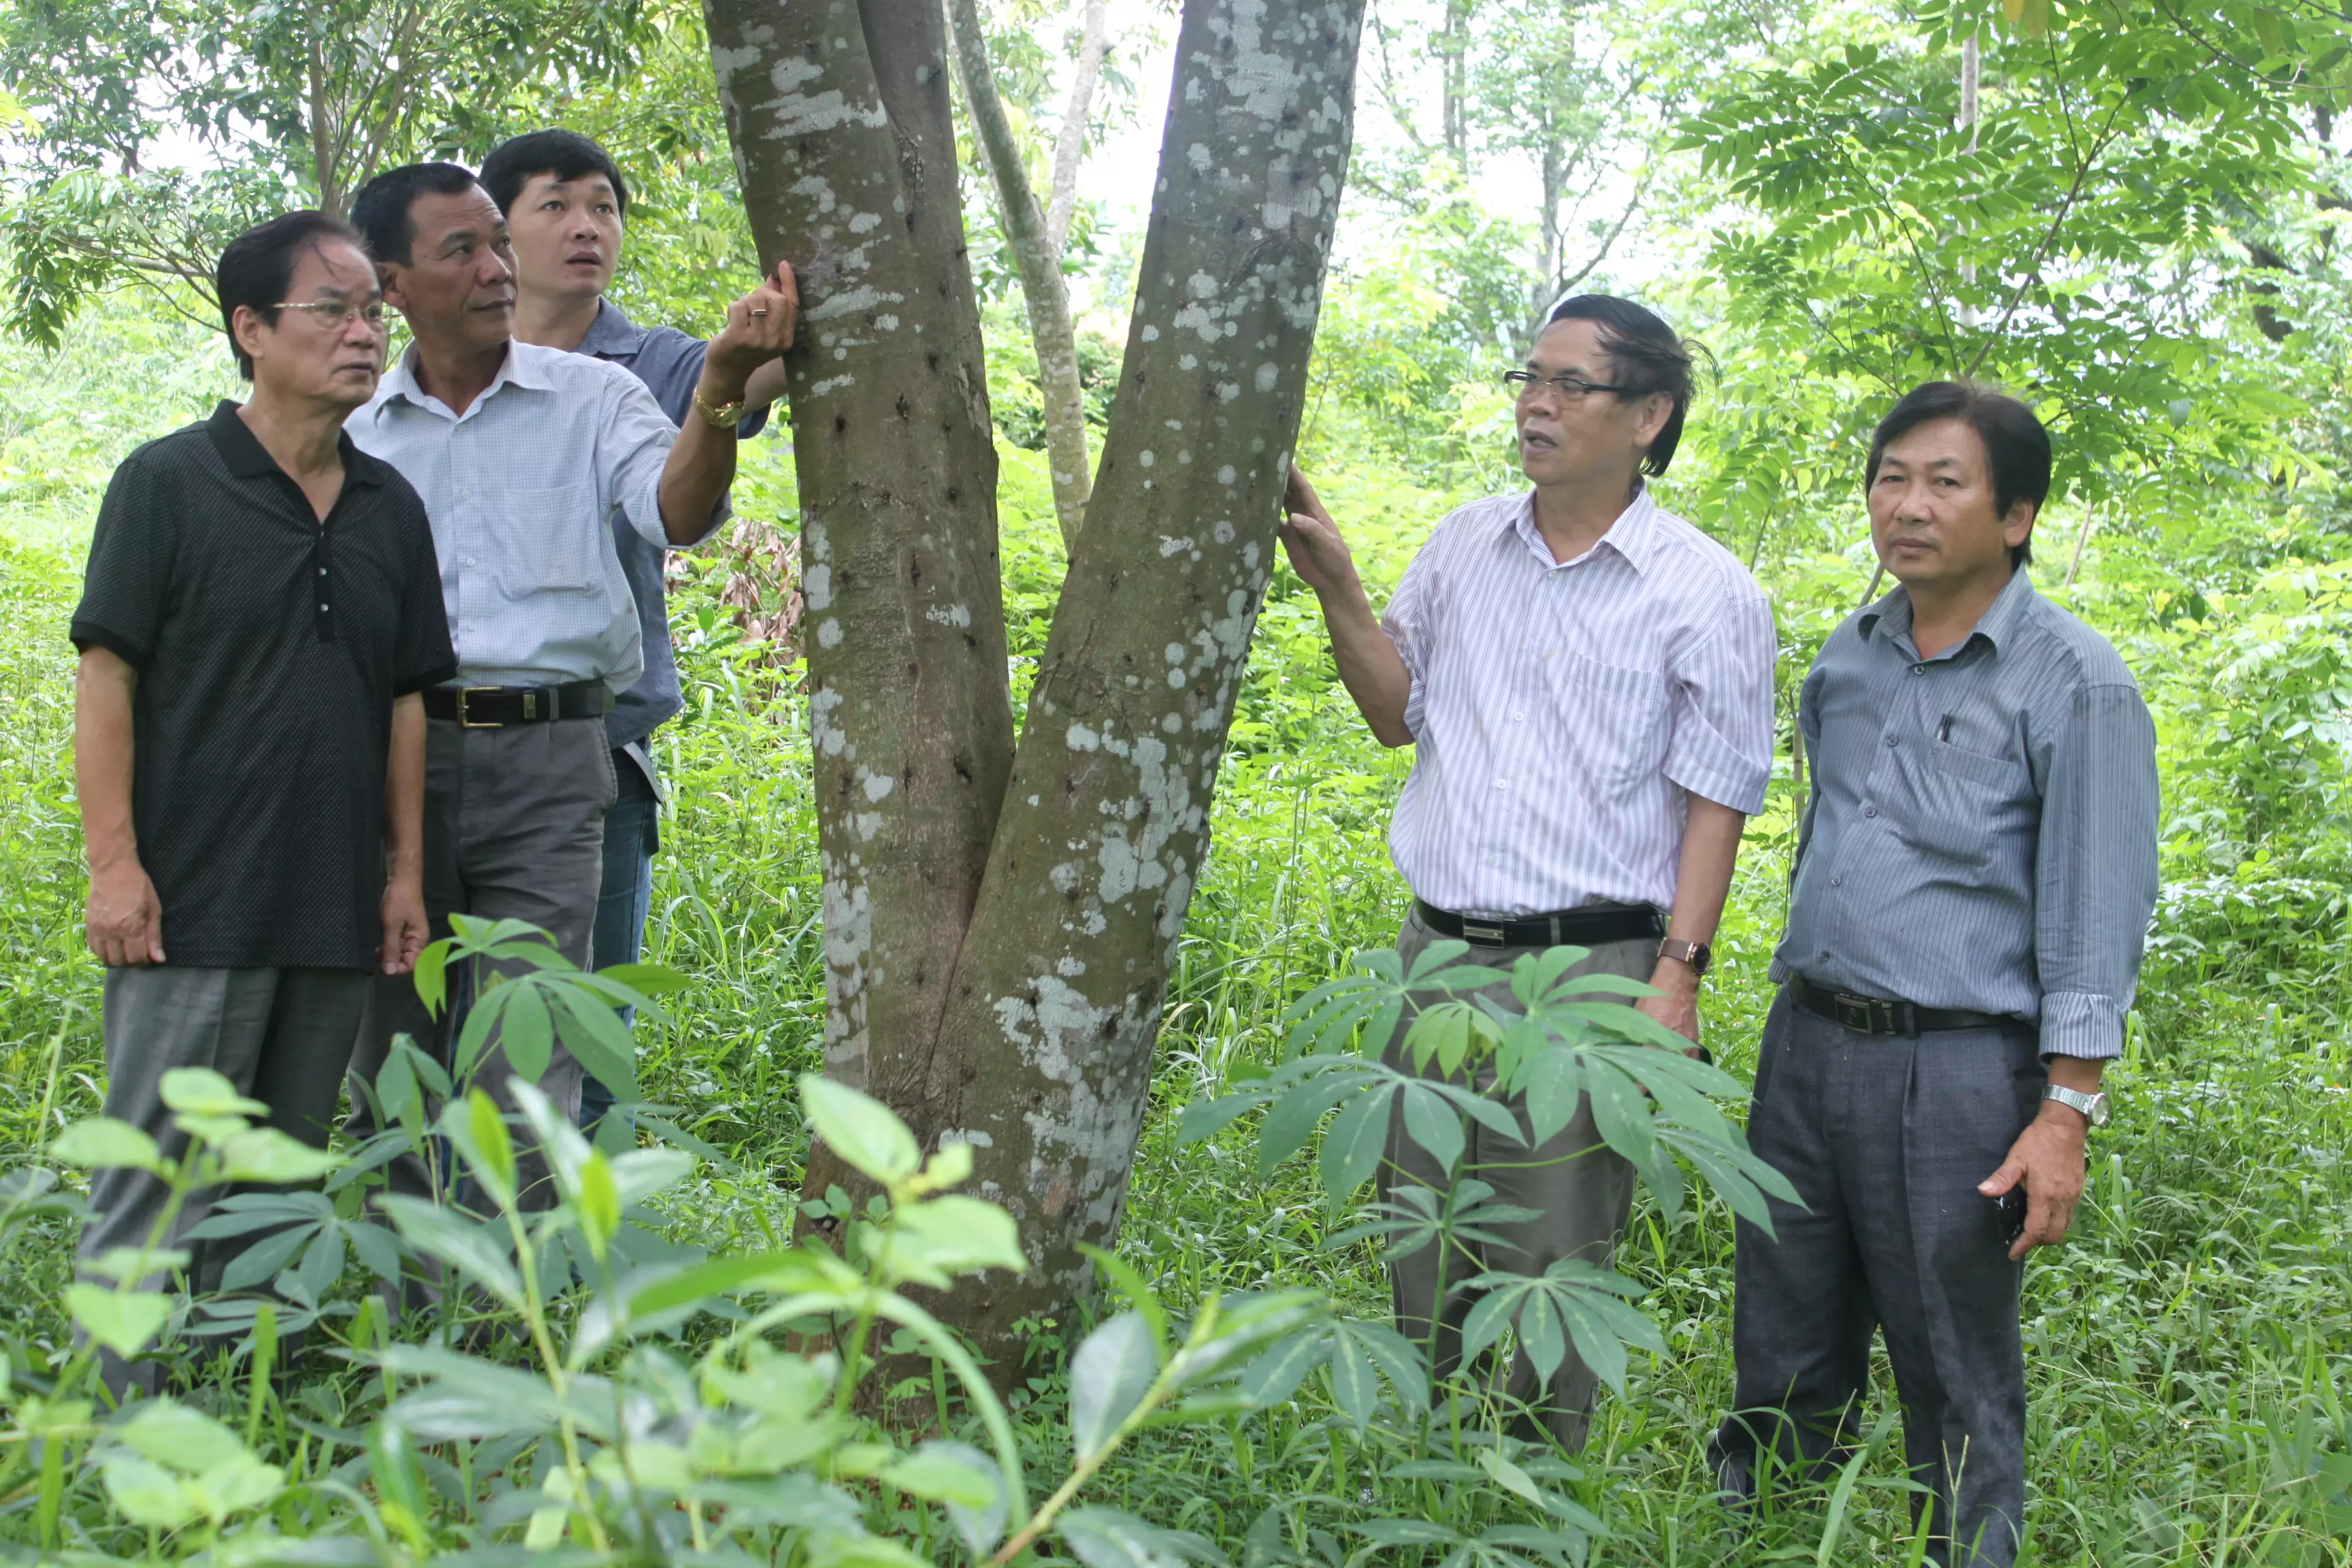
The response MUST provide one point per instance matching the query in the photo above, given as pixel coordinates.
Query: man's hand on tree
(758, 328)
(124, 924)
(1311, 539)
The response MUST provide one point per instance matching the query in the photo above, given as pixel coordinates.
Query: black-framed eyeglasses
(1571, 388)
(336, 314)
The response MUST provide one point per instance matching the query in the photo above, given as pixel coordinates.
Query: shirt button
(1919, 670)
(1825, 955)
(1870, 811)
(1502, 784)
(466, 495)
(1517, 717)
(322, 571)
(469, 560)
(1890, 740)
(1837, 881)
(322, 609)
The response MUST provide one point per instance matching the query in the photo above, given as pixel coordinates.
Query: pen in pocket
(1943, 730)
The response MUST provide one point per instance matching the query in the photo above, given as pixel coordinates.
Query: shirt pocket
(1968, 802)
(549, 541)
(1612, 718)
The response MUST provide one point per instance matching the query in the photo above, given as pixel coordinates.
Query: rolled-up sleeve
(1721, 698)
(632, 449)
(2095, 875)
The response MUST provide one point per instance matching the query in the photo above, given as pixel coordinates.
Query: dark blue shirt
(670, 364)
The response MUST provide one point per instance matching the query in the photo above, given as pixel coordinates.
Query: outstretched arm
(1370, 666)
(703, 463)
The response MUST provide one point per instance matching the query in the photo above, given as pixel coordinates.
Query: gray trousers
(281, 1036)
(1886, 1138)
(514, 830)
(1581, 1189)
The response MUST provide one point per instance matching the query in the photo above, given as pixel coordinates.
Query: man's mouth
(1538, 440)
(583, 259)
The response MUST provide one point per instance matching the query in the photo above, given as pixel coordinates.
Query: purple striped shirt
(1563, 712)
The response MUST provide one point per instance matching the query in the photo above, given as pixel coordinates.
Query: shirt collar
(248, 458)
(1633, 536)
(1893, 614)
(524, 366)
(612, 335)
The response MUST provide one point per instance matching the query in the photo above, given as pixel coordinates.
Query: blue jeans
(632, 834)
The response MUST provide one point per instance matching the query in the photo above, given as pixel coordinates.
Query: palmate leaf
(1571, 1295)
(1353, 1147)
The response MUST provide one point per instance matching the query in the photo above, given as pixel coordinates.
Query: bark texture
(846, 149)
(1044, 1059)
(1038, 258)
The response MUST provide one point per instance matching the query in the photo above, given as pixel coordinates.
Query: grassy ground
(2190, 1352)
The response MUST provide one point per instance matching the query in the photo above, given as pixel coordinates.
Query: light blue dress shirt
(525, 490)
(1982, 831)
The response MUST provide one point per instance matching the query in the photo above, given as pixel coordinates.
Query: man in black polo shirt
(261, 609)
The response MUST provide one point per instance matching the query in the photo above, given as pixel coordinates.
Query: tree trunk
(1043, 1058)
(1039, 261)
(1454, 77)
(1070, 141)
(845, 151)
(1044, 1061)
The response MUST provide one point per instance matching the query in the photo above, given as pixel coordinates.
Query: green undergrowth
(2190, 1352)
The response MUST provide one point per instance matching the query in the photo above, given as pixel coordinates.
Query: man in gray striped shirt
(1587, 681)
(1975, 875)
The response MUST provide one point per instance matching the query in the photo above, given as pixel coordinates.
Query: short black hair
(1651, 358)
(566, 155)
(256, 267)
(2016, 444)
(381, 209)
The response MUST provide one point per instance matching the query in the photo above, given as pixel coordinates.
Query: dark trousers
(1581, 1189)
(281, 1036)
(632, 834)
(514, 829)
(1886, 1138)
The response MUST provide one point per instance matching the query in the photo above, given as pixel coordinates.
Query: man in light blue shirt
(566, 204)
(528, 458)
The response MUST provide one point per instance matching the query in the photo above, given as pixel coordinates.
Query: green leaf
(266, 1154)
(940, 1238)
(1109, 1375)
(432, 975)
(102, 1142)
(861, 1130)
(1353, 1146)
(121, 1321)
(148, 1494)
(527, 1038)
(169, 1433)
(1108, 1538)
(200, 1091)
(493, 1145)
(1131, 1284)
(599, 1202)
(459, 1243)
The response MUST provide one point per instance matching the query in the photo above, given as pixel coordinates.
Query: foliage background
(1791, 184)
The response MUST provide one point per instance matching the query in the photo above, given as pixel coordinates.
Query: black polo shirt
(270, 649)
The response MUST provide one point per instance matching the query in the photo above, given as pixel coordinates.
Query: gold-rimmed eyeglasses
(336, 314)
(1572, 389)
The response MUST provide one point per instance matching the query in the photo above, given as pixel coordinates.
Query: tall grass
(2189, 1352)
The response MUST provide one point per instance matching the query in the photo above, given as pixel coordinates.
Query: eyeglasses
(336, 314)
(1571, 388)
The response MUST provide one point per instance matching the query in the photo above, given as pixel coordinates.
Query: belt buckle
(467, 722)
(1859, 1013)
(1482, 934)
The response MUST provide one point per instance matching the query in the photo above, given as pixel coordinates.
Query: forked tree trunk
(1043, 1058)
(846, 155)
(1078, 115)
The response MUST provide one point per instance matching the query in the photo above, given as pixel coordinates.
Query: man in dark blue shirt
(565, 204)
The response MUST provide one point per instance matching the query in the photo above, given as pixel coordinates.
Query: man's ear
(247, 328)
(2018, 526)
(388, 274)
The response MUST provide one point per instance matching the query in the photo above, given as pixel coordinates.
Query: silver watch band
(2093, 1107)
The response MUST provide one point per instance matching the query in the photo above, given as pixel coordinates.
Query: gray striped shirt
(1563, 710)
(1982, 828)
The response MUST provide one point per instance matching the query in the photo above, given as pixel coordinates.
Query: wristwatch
(1698, 955)
(2094, 1106)
(721, 415)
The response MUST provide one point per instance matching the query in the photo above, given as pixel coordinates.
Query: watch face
(2098, 1109)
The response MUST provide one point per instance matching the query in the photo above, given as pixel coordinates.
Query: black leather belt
(1585, 928)
(1877, 1015)
(491, 707)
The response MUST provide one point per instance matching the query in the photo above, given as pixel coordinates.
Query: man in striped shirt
(1587, 680)
(1974, 881)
